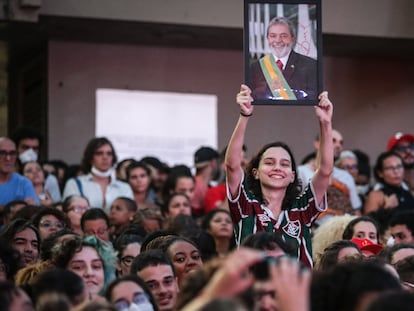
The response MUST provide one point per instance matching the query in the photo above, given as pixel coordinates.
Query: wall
(372, 97)
(378, 18)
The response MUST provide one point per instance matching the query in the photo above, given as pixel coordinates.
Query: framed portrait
(283, 51)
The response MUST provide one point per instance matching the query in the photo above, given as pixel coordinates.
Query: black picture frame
(299, 82)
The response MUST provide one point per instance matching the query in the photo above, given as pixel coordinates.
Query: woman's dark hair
(176, 173)
(48, 243)
(124, 240)
(61, 281)
(137, 164)
(343, 286)
(329, 257)
(268, 241)
(393, 300)
(379, 165)
(16, 226)
(205, 223)
(387, 253)
(349, 229)
(135, 279)
(93, 145)
(292, 191)
(50, 211)
(167, 200)
(10, 258)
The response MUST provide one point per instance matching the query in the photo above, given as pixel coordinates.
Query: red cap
(368, 245)
(397, 138)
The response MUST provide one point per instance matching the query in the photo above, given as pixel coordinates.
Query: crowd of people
(264, 234)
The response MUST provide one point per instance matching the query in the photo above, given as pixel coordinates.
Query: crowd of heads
(158, 248)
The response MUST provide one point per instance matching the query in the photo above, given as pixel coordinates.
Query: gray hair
(346, 154)
(282, 21)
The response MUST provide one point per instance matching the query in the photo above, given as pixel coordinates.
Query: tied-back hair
(292, 191)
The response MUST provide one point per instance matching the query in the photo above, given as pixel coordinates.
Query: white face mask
(28, 155)
(99, 173)
(145, 306)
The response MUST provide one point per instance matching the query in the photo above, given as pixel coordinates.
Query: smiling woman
(92, 259)
(268, 197)
(183, 253)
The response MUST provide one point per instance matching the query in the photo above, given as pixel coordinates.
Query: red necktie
(279, 64)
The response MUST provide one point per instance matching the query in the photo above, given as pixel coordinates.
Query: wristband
(246, 115)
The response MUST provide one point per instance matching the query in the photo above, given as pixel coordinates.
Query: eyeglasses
(48, 224)
(404, 148)
(127, 260)
(350, 167)
(5, 153)
(393, 168)
(139, 298)
(78, 209)
(98, 232)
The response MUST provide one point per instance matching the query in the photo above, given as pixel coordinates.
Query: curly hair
(62, 254)
(329, 232)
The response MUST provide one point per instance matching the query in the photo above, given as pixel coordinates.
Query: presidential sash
(275, 80)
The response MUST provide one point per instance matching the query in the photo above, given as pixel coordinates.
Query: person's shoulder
(16, 177)
(120, 183)
(342, 175)
(302, 58)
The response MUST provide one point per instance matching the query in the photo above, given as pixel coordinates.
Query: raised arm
(235, 146)
(325, 157)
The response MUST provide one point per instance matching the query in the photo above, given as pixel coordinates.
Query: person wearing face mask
(130, 293)
(13, 186)
(99, 186)
(283, 74)
(28, 143)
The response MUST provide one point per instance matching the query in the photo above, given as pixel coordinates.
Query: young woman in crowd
(139, 178)
(99, 185)
(34, 172)
(48, 221)
(128, 246)
(363, 227)
(390, 191)
(337, 252)
(183, 253)
(91, 258)
(130, 292)
(218, 223)
(267, 198)
(74, 207)
(176, 203)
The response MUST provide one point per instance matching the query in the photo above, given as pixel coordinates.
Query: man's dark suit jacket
(300, 73)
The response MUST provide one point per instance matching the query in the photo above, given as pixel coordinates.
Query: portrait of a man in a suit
(283, 74)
